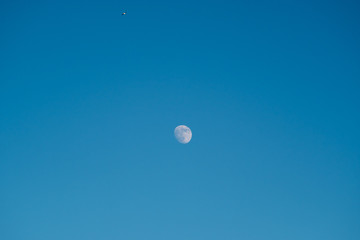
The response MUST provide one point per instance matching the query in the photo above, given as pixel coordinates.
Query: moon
(183, 134)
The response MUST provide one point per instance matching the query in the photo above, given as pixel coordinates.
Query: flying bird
(123, 13)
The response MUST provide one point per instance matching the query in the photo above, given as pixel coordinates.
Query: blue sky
(89, 100)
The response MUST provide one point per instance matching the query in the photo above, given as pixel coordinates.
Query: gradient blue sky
(89, 100)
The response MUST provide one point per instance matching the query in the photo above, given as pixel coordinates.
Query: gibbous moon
(183, 134)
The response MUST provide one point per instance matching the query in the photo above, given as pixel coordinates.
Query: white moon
(183, 134)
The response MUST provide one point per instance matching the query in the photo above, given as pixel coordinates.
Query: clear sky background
(89, 100)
